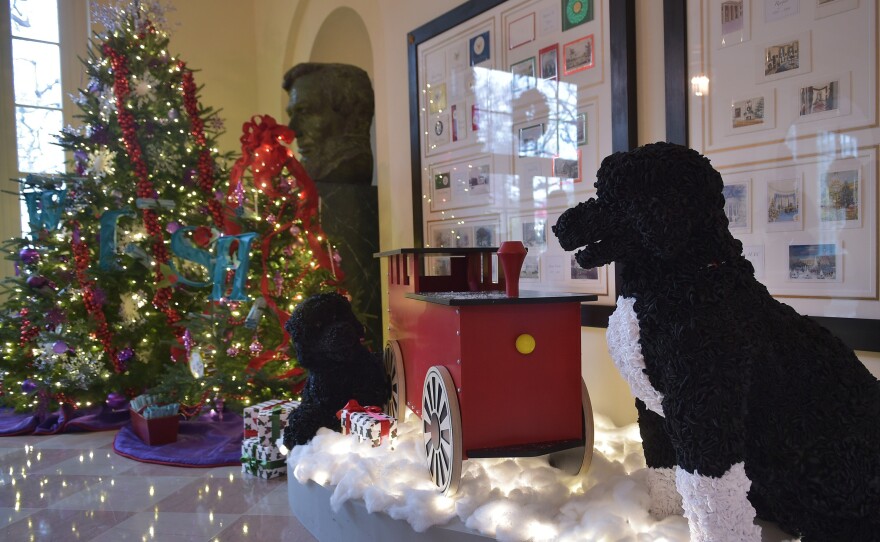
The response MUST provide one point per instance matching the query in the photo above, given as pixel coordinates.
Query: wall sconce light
(700, 85)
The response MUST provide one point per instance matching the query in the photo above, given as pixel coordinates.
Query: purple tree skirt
(65, 420)
(201, 442)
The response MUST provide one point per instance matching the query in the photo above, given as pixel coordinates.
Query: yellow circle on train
(525, 344)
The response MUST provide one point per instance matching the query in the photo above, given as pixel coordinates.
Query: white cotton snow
(512, 499)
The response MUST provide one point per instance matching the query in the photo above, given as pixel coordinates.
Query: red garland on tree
(206, 178)
(93, 307)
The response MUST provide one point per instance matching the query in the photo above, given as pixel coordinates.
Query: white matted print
(731, 20)
(776, 10)
(826, 8)
(592, 280)
(521, 31)
(823, 98)
(738, 205)
(840, 198)
(752, 113)
(784, 204)
(820, 262)
(755, 255)
(784, 57)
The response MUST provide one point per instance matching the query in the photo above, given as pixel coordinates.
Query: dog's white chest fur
(626, 353)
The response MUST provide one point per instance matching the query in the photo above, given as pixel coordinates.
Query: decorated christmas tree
(137, 276)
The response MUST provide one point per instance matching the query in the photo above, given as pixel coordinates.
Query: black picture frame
(857, 333)
(624, 119)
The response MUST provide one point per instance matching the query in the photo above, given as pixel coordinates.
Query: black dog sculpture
(744, 405)
(327, 337)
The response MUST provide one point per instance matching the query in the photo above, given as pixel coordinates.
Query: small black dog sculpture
(327, 337)
(744, 405)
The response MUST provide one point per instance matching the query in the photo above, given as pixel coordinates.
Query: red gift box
(155, 431)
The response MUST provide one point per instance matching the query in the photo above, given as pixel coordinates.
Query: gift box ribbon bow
(353, 406)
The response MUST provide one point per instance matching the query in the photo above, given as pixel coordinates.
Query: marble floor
(74, 487)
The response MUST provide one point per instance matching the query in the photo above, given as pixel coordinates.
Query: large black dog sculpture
(745, 407)
(327, 337)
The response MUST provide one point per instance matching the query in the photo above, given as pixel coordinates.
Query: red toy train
(491, 375)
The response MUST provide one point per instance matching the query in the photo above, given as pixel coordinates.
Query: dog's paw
(665, 499)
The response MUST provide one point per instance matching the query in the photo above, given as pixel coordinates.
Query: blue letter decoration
(217, 267)
(108, 221)
(183, 248)
(241, 266)
(44, 207)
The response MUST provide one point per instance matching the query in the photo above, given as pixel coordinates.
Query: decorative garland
(206, 178)
(93, 307)
(144, 188)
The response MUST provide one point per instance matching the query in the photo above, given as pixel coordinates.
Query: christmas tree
(136, 271)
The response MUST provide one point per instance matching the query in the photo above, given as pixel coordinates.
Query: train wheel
(576, 461)
(441, 425)
(589, 429)
(393, 358)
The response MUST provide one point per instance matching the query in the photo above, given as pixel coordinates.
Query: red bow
(353, 406)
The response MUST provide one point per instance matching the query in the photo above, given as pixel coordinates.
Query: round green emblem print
(576, 11)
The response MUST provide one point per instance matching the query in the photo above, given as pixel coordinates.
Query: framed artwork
(738, 205)
(523, 74)
(800, 174)
(548, 59)
(536, 80)
(578, 54)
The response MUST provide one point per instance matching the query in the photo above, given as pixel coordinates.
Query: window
(41, 42)
(36, 74)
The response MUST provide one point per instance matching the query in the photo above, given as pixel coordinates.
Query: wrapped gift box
(368, 423)
(263, 469)
(267, 420)
(251, 447)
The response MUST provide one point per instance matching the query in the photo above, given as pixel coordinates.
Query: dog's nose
(573, 229)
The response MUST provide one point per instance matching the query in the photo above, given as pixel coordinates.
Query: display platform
(310, 503)
(342, 489)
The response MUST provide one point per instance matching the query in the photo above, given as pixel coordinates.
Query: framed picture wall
(510, 110)
(782, 96)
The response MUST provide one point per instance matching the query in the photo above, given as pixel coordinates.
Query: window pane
(34, 19)
(36, 131)
(36, 71)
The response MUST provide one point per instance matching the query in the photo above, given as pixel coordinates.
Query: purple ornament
(60, 347)
(29, 255)
(172, 227)
(35, 282)
(116, 400)
(28, 386)
(232, 351)
(172, 114)
(125, 355)
(256, 347)
(100, 296)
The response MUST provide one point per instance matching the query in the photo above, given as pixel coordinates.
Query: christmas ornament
(256, 347)
(28, 386)
(36, 282)
(125, 355)
(29, 255)
(60, 347)
(116, 400)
